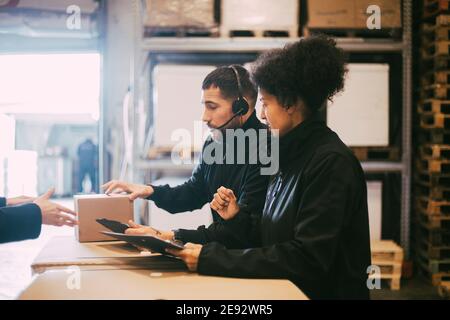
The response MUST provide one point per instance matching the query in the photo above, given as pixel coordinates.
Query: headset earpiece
(240, 106)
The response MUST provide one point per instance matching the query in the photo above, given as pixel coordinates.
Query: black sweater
(19, 222)
(245, 180)
(315, 229)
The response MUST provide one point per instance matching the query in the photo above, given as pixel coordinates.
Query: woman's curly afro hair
(312, 69)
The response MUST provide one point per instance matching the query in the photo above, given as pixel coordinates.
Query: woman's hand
(135, 190)
(138, 229)
(189, 254)
(225, 203)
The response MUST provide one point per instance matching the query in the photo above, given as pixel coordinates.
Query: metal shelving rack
(144, 46)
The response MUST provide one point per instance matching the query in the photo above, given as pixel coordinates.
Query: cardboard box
(352, 14)
(390, 13)
(360, 114)
(281, 15)
(92, 207)
(331, 14)
(180, 13)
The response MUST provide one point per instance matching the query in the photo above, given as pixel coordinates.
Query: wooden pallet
(433, 166)
(433, 180)
(436, 77)
(435, 278)
(376, 153)
(433, 207)
(444, 289)
(388, 256)
(434, 222)
(432, 32)
(442, 20)
(393, 33)
(436, 49)
(434, 151)
(432, 265)
(181, 32)
(436, 91)
(432, 8)
(434, 136)
(161, 152)
(438, 252)
(432, 192)
(435, 121)
(434, 63)
(435, 237)
(259, 33)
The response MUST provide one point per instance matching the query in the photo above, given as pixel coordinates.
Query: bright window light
(50, 84)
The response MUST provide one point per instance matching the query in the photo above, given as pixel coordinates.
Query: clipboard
(152, 243)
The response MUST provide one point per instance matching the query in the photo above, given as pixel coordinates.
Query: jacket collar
(293, 143)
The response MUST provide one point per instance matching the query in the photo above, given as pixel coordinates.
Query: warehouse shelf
(168, 165)
(258, 44)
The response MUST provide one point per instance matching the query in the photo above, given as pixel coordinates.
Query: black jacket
(19, 222)
(314, 226)
(246, 182)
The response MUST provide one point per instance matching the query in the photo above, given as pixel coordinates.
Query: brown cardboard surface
(351, 14)
(390, 13)
(148, 285)
(331, 14)
(61, 252)
(92, 207)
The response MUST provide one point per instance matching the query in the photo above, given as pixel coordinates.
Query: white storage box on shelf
(360, 114)
(259, 16)
(20, 167)
(177, 105)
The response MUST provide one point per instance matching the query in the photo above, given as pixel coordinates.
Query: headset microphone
(239, 106)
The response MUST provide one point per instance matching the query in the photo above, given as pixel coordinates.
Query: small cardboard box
(352, 14)
(331, 14)
(92, 207)
(390, 13)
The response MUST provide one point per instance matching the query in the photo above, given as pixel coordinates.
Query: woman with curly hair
(314, 228)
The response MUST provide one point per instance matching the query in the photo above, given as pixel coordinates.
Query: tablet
(152, 243)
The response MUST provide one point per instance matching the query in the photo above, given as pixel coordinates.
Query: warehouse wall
(117, 51)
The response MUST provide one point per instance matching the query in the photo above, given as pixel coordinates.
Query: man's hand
(225, 203)
(54, 214)
(138, 229)
(19, 200)
(189, 254)
(135, 190)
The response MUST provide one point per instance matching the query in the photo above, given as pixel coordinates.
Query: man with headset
(229, 99)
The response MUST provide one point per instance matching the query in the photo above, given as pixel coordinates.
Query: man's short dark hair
(312, 69)
(225, 79)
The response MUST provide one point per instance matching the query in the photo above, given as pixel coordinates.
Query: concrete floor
(16, 258)
(417, 288)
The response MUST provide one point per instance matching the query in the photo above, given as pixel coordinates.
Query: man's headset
(239, 106)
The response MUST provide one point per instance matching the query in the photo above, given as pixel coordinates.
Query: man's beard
(218, 135)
